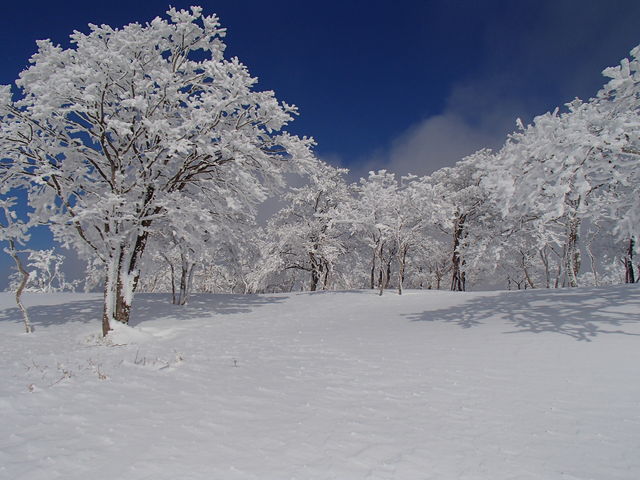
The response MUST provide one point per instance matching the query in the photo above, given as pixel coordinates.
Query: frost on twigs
(113, 136)
(14, 232)
(43, 375)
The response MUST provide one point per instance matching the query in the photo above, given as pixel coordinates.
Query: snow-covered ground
(339, 385)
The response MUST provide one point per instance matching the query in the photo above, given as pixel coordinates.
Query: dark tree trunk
(315, 278)
(174, 298)
(629, 276)
(381, 268)
(525, 270)
(402, 262)
(325, 279)
(373, 270)
(457, 263)
(544, 256)
(572, 253)
(316, 272)
(121, 283)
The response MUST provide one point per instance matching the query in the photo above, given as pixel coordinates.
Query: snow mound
(122, 334)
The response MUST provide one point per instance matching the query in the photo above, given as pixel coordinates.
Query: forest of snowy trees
(148, 152)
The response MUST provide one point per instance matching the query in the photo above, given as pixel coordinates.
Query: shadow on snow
(146, 306)
(582, 313)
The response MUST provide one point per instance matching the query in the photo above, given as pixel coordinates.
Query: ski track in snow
(329, 385)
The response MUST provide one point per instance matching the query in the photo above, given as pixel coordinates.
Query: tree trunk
(526, 271)
(325, 279)
(629, 274)
(23, 283)
(544, 255)
(120, 285)
(458, 276)
(558, 274)
(592, 256)
(373, 270)
(186, 281)
(402, 262)
(381, 273)
(316, 272)
(174, 299)
(315, 278)
(572, 254)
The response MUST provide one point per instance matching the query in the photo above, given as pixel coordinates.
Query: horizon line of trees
(557, 206)
(147, 151)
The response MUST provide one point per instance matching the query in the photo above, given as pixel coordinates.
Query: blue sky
(406, 85)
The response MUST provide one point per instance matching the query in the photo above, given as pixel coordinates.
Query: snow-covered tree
(461, 207)
(184, 242)
(14, 231)
(304, 235)
(201, 257)
(409, 216)
(113, 135)
(570, 173)
(391, 218)
(371, 216)
(46, 274)
(617, 126)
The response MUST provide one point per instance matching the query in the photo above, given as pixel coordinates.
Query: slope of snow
(336, 385)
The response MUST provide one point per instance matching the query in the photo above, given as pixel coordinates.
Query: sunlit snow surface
(429, 385)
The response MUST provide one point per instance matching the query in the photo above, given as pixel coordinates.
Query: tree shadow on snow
(364, 291)
(146, 306)
(582, 313)
(73, 310)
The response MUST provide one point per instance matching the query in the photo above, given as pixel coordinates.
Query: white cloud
(437, 142)
(525, 68)
(476, 116)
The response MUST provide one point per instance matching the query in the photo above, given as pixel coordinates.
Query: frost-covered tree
(115, 133)
(567, 173)
(15, 232)
(181, 258)
(305, 235)
(460, 206)
(46, 274)
(386, 216)
(409, 216)
(184, 242)
(371, 216)
(234, 267)
(430, 260)
(616, 124)
(201, 257)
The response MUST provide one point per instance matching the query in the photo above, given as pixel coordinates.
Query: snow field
(335, 385)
